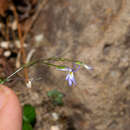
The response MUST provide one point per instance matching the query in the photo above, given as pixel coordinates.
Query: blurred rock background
(95, 32)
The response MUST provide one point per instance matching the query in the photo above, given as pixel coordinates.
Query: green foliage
(29, 117)
(60, 67)
(1, 81)
(79, 63)
(27, 126)
(56, 97)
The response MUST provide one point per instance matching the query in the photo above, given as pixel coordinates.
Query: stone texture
(98, 33)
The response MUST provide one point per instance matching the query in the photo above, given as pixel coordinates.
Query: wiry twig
(22, 44)
(23, 51)
(41, 5)
(22, 38)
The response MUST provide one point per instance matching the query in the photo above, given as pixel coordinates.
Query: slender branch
(22, 44)
(45, 62)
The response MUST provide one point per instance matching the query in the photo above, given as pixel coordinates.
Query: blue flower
(70, 76)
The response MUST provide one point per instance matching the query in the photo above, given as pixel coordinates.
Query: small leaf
(60, 95)
(58, 101)
(54, 93)
(56, 97)
(2, 81)
(26, 126)
(29, 114)
(51, 93)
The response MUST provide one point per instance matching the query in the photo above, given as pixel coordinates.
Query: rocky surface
(96, 32)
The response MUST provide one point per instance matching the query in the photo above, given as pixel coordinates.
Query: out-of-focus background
(96, 32)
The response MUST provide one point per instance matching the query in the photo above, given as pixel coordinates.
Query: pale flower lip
(70, 78)
(87, 67)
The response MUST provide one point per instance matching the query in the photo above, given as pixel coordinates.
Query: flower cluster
(70, 76)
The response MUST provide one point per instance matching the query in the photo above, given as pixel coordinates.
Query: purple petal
(71, 75)
(70, 82)
(76, 68)
(67, 77)
(73, 80)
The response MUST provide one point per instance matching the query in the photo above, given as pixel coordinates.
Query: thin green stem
(44, 61)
